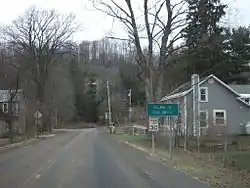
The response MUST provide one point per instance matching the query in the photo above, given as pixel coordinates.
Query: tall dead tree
(162, 24)
(37, 37)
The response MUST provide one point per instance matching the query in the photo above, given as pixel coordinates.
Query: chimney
(195, 86)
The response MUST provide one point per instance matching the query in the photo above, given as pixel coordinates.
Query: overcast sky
(95, 24)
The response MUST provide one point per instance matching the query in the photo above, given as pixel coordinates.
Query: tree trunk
(149, 90)
(159, 87)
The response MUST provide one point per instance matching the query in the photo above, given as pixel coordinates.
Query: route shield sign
(162, 110)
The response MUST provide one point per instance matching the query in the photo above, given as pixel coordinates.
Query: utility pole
(130, 109)
(130, 104)
(109, 106)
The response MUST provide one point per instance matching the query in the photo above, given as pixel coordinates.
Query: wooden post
(170, 138)
(185, 138)
(225, 146)
(153, 143)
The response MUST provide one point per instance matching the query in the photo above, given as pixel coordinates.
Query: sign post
(155, 111)
(153, 127)
(38, 115)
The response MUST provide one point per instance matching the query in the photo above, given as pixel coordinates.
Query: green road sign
(161, 110)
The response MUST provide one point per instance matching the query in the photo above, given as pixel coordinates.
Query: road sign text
(161, 110)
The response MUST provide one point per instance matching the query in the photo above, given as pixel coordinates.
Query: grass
(237, 159)
(238, 150)
(135, 138)
(208, 171)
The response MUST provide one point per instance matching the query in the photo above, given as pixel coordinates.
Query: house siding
(221, 98)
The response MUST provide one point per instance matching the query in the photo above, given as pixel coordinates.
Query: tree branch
(180, 10)
(114, 14)
(157, 17)
(166, 32)
(149, 34)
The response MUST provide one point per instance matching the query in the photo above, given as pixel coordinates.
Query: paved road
(86, 159)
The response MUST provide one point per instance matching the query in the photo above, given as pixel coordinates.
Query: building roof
(186, 88)
(181, 90)
(242, 89)
(176, 95)
(5, 95)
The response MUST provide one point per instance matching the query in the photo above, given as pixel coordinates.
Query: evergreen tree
(237, 47)
(204, 37)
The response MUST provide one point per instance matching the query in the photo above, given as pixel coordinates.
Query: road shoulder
(23, 143)
(17, 145)
(202, 170)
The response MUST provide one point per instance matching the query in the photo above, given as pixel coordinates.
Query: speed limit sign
(153, 124)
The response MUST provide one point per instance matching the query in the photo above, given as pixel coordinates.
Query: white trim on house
(177, 95)
(244, 99)
(220, 110)
(206, 112)
(206, 94)
(245, 95)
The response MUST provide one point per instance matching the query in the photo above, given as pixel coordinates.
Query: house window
(203, 119)
(5, 107)
(220, 117)
(203, 94)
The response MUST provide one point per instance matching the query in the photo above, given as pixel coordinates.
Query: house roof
(187, 88)
(221, 82)
(176, 95)
(181, 90)
(184, 87)
(245, 95)
(5, 95)
(241, 89)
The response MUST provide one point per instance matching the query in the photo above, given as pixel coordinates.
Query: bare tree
(94, 51)
(37, 37)
(160, 32)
